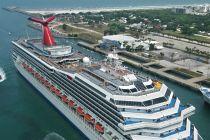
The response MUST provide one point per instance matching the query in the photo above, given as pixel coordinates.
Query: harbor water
(25, 114)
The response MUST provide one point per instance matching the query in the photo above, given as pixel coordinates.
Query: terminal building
(117, 41)
(122, 41)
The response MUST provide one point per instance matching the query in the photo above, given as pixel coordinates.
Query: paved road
(178, 44)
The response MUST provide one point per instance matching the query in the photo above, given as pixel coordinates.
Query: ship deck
(73, 64)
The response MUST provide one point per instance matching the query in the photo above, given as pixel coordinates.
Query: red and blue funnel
(48, 39)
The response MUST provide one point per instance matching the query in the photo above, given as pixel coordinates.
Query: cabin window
(134, 90)
(126, 90)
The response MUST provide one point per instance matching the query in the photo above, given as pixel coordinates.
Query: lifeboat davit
(47, 84)
(42, 79)
(80, 111)
(71, 103)
(64, 99)
(24, 65)
(99, 128)
(32, 71)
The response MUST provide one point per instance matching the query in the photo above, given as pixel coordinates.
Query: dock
(191, 83)
(16, 9)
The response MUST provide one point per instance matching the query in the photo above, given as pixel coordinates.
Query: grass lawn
(83, 34)
(98, 28)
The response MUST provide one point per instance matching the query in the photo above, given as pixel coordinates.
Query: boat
(206, 94)
(102, 98)
(2, 75)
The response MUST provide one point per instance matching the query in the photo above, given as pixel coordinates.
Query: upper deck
(108, 74)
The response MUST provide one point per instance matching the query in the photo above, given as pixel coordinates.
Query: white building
(157, 45)
(135, 45)
(117, 41)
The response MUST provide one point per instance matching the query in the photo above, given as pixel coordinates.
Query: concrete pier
(190, 83)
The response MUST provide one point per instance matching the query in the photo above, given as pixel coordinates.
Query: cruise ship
(103, 99)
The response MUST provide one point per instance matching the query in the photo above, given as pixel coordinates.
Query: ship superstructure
(103, 98)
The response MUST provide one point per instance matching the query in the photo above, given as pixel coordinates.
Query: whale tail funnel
(48, 39)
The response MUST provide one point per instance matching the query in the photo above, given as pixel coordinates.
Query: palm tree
(162, 54)
(172, 56)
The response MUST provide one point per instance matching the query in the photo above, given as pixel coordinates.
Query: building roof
(120, 38)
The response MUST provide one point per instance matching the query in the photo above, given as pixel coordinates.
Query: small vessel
(2, 75)
(206, 94)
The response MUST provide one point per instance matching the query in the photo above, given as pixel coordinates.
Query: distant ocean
(96, 3)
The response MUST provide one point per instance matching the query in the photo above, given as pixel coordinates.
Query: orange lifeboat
(30, 69)
(37, 76)
(80, 111)
(65, 99)
(71, 103)
(43, 82)
(58, 92)
(99, 128)
(88, 117)
(53, 89)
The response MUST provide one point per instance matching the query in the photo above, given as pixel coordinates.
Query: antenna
(48, 39)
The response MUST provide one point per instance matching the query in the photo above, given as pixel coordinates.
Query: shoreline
(45, 11)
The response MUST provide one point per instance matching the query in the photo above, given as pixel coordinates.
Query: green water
(26, 115)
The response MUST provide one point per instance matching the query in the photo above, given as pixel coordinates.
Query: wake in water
(53, 136)
(2, 75)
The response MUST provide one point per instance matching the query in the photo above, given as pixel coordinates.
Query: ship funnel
(48, 39)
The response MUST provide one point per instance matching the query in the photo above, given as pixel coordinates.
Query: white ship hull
(70, 115)
(204, 91)
(206, 99)
(3, 75)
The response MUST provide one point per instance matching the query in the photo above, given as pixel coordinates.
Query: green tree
(189, 31)
(115, 28)
(151, 47)
(64, 27)
(162, 54)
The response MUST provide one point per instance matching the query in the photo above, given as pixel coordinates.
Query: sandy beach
(94, 10)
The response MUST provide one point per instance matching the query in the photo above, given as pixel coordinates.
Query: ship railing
(143, 92)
